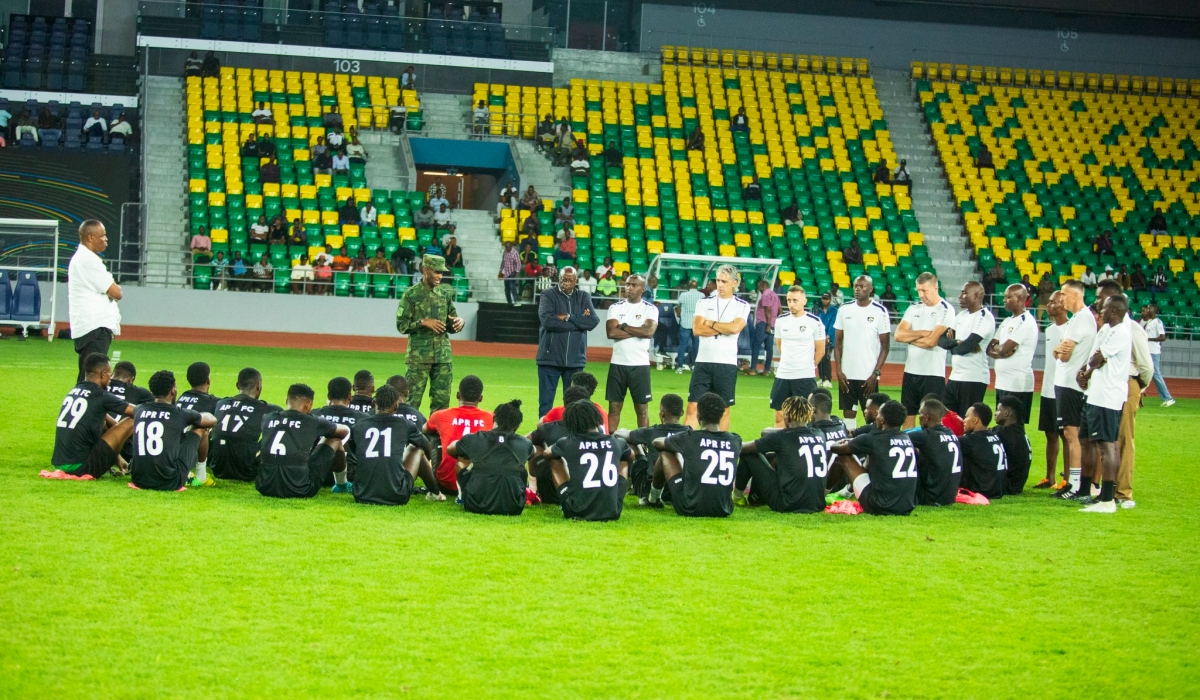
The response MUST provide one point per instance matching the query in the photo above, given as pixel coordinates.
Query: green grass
(219, 592)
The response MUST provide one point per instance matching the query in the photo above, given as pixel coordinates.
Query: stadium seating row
(46, 53)
(1063, 80)
(763, 60)
(70, 136)
(22, 303)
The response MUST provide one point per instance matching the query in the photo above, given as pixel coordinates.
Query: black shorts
(1068, 405)
(1025, 397)
(1048, 417)
(783, 389)
(856, 398)
(675, 489)
(97, 463)
(233, 460)
(959, 396)
(916, 387)
(632, 378)
(320, 466)
(717, 378)
(1100, 424)
(866, 499)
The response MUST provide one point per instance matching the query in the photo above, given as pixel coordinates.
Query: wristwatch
(878, 374)
(622, 326)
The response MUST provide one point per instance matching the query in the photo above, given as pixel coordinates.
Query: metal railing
(1059, 63)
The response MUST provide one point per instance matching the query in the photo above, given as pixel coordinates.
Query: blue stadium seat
(354, 31)
(251, 24)
(12, 74)
(478, 40)
(334, 31)
(95, 145)
(116, 145)
(26, 302)
(498, 47)
(33, 73)
(458, 39)
(393, 33)
(210, 22)
(56, 74)
(374, 33)
(76, 76)
(5, 295)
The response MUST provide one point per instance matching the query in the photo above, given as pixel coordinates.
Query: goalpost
(31, 246)
(672, 269)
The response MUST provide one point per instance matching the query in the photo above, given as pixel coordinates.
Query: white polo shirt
(798, 336)
(634, 352)
(720, 349)
(861, 327)
(1109, 385)
(1054, 334)
(1015, 373)
(929, 362)
(87, 295)
(1154, 329)
(1081, 329)
(973, 367)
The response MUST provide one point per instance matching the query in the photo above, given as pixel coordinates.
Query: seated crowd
(54, 125)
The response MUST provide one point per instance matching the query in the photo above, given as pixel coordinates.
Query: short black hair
(587, 380)
(821, 390)
(672, 405)
(1112, 286)
(339, 389)
(575, 393)
(1013, 404)
(471, 388)
(161, 383)
(94, 362)
(582, 417)
(711, 408)
(300, 391)
(983, 412)
(363, 379)
(400, 383)
(386, 396)
(125, 368)
(507, 417)
(821, 401)
(935, 408)
(931, 396)
(878, 398)
(248, 378)
(893, 414)
(198, 374)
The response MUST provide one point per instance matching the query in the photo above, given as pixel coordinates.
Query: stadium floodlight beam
(32, 245)
(704, 267)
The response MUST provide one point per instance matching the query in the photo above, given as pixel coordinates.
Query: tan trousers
(1125, 442)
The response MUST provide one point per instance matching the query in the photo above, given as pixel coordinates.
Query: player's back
(347, 416)
(379, 441)
(596, 489)
(81, 422)
(451, 424)
(984, 463)
(1018, 454)
(412, 415)
(362, 404)
(239, 419)
(131, 393)
(495, 483)
(157, 435)
(288, 437)
(892, 468)
(939, 465)
(198, 401)
(801, 465)
(709, 459)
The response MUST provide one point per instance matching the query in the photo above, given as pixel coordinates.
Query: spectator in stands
(740, 121)
(348, 213)
(531, 229)
(1107, 274)
(607, 285)
(441, 220)
(1138, 281)
(508, 198)
(1088, 278)
(220, 271)
(368, 215)
(360, 262)
(901, 178)
(341, 163)
(510, 268)
(318, 149)
(302, 276)
(341, 261)
(262, 114)
(1030, 289)
(201, 246)
(564, 253)
(120, 127)
(423, 218)
(266, 147)
(237, 272)
(791, 214)
(323, 274)
(604, 268)
(335, 139)
(835, 295)
(613, 157)
(331, 120)
(532, 268)
(263, 274)
(26, 124)
(695, 141)
(408, 79)
(1124, 279)
(853, 254)
(752, 192)
(402, 259)
(277, 234)
(480, 119)
(547, 134)
(437, 194)
(1103, 245)
(356, 151)
(50, 126)
(883, 176)
(888, 299)
(397, 116)
(531, 202)
(983, 159)
(587, 282)
(5, 116)
(193, 66)
(993, 277)
(269, 172)
(528, 252)
(563, 148)
(1158, 222)
(211, 68)
(580, 165)
(379, 264)
(453, 254)
(1158, 283)
(1045, 290)
(565, 214)
(298, 236)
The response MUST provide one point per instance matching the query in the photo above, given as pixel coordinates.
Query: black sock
(1106, 490)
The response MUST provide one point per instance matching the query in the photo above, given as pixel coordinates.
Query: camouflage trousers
(440, 378)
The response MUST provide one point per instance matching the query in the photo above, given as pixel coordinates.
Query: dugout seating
(225, 195)
(1070, 164)
(70, 137)
(47, 53)
(5, 295)
(814, 139)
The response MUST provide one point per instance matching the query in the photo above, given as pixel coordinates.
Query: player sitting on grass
(541, 481)
(786, 467)
(871, 414)
(199, 400)
(339, 411)
(1010, 426)
(587, 380)
(983, 454)
(641, 441)
(168, 441)
(591, 469)
(122, 385)
(450, 424)
(299, 450)
(86, 441)
(835, 431)
(364, 389)
(400, 383)
(233, 445)
(951, 420)
(491, 464)
(939, 464)
(389, 452)
(698, 466)
(888, 484)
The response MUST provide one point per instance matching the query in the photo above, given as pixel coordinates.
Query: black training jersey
(498, 478)
(287, 439)
(835, 431)
(596, 489)
(412, 415)
(157, 432)
(801, 464)
(892, 467)
(131, 393)
(709, 461)
(342, 415)
(646, 437)
(983, 461)
(864, 429)
(379, 443)
(239, 419)
(549, 433)
(81, 422)
(362, 404)
(939, 465)
(1019, 454)
(198, 401)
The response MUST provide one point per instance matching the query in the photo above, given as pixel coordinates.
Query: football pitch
(218, 592)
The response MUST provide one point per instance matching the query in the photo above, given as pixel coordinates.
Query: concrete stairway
(166, 183)
(605, 65)
(482, 251)
(933, 202)
(536, 169)
(446, 116)
(384, 162)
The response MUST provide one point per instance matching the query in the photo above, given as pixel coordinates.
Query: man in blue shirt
(689, 344)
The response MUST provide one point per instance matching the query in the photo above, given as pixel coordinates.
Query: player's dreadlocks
(797, 409)
(507, 416)
(582, 417)
(386, 398)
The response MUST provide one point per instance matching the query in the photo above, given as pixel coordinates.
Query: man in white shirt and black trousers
(631, 325)
(718, 321)
(1072, 354)
(966, 341)
(92, 295)
(921, 328)
(801, 339)
(863, 337)
(1013, 349)
(1105, 379)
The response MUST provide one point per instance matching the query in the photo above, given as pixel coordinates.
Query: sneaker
(687, 368)
(1128, 504)
(458, 500)
(343, 488)
(1044, 484)
(1063, 491)
(435, 497)
(531, 498)
(1167, 404)
(645, 503)
(740, 498)
(196, 483)
(1084, 499)
(679, 370)
(1100, 507)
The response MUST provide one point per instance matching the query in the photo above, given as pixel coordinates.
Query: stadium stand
(1075, 154)
(67, 123)
(47, 53)
(226, 194)
(814, 138)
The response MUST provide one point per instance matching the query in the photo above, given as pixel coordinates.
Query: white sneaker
(1100, 507)
(435, 497)
(1168, 403)
(687, 368)
(1128, 504)
(679, 370)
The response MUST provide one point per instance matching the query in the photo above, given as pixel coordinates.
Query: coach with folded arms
(92, 295)
(567, 315)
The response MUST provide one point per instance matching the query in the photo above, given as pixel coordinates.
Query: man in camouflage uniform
(426, 314)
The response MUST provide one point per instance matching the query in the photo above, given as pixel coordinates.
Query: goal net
(675, 270)
(31, 254)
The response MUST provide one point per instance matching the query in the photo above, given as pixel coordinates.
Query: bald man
(1012, 349)
(966, 340)
(92, 295)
